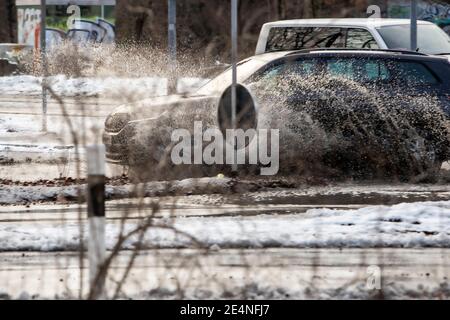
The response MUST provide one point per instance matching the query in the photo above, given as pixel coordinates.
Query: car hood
(154, 107)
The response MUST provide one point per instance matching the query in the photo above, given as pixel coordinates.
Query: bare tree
(308, 9)
(8, 21)
(136, 21)
(203, 27)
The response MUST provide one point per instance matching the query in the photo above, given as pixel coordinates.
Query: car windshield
(245, 69)
(430, 38)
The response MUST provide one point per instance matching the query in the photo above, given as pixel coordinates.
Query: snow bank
(15, 194)
(256, 192)
(256, 291)
(425, 224)
(62, 85)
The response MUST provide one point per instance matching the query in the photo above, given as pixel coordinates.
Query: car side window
(295, 38)
(414, 74)
(299, 67)
(340, 68)
(360, 39)
(377, 71)
(363, 70)
(383, 71)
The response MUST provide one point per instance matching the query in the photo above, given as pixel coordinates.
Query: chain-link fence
(340, 191)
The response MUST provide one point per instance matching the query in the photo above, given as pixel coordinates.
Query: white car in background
(368, 33)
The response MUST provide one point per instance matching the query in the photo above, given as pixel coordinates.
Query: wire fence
(147, 228)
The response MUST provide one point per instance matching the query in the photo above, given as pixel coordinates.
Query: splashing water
(100, 60)
(328, 125)
(337, 126)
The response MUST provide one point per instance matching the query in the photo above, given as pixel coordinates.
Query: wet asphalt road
(332, 273)
(267, 273)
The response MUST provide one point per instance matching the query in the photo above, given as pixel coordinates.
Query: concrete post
(96, 218)
(44, 64)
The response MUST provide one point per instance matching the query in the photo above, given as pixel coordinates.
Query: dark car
(137, 135)
(7, 68)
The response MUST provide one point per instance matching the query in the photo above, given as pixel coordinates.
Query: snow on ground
(424, 224)
(37, 154)
(62, 85)
(256, 291)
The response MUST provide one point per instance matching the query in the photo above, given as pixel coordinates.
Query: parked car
(10, 55)
(132, 132)
(7, 68)
(351, 33)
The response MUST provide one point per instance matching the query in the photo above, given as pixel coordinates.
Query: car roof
(339, 22)
(269, 56)
(334, 52)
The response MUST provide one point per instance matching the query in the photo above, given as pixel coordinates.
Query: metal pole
(172, 44)
(96, 217)
(44, 64)
(234, 49)
(102, 11)
(413, 25)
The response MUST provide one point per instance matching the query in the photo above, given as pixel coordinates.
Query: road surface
(245, 273)
(27, 153)
(219, 272)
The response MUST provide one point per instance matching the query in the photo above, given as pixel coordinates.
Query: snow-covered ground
(148, 86)
(422, 224)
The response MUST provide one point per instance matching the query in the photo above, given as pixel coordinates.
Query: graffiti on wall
(433, 11)
(439, 14)
(83, 32)
(29, 27)
(80, 31)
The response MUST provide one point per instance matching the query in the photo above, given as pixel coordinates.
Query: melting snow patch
(62, 85)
